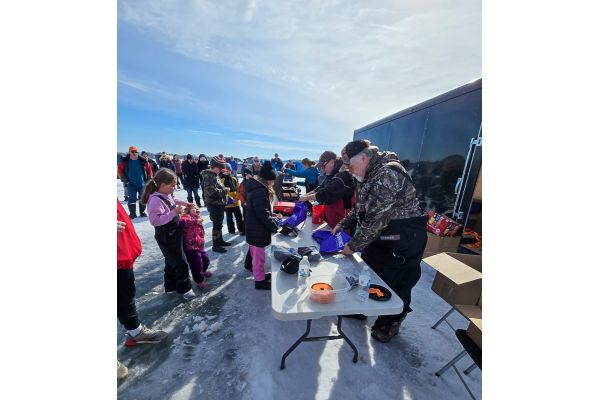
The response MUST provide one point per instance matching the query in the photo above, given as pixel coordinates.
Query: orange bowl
(322, 293)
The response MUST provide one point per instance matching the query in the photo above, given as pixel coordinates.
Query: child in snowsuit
(232, 208)
(215, 198)
(163, 213)
(193, 244)
(260, 222)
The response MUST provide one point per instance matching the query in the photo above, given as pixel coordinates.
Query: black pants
(202, 187)
(216, 214)
(399, 265)
(194, 192)
(231, 212)
(170, 242)
(126, 311)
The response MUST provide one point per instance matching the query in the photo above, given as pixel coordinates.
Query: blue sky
(250, 78)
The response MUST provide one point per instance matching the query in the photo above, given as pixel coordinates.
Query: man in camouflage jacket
(388, 225)
(215, 198)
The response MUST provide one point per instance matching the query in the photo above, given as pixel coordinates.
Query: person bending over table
(388, 226)
(336, 191)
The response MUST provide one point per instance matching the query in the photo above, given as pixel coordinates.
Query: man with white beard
(388, 225)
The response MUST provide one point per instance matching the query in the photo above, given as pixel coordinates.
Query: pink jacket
(193, 232)
(158, 212)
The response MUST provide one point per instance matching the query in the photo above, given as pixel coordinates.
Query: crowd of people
(366, 192)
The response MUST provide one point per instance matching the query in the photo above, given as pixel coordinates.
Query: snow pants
(231, 212)
(216, 214)
(170, 241)
(258, 262)
(126, 310)
(398, 262)
(199, 261)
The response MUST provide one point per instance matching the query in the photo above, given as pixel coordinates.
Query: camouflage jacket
(214, 191)
(384, 195)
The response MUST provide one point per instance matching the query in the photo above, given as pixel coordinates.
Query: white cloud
(357, 60)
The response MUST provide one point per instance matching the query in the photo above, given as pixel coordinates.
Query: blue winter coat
(311, 174)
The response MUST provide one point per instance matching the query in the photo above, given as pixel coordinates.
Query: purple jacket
(158, 212)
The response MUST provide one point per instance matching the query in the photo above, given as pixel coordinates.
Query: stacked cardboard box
(458, 282)
(440, 244)
(474, 315)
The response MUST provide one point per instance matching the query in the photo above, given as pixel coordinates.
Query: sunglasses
(133, 152)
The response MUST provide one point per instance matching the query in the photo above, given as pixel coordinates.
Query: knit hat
(356, 146)
(217, 162)
(247, 171)
(267, 172)
(189, 157)
(326, 157)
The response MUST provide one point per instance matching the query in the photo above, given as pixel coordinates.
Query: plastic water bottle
(364, 283)
(303, 273)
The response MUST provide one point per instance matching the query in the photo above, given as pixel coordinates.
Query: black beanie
(189, 157)
(356, 146)
(267, 172)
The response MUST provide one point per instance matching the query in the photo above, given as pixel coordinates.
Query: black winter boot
(221, 241)
(248, 261)
(142, 209)
(262, 285)
(385, 333)
(216, 243)
(131, 207)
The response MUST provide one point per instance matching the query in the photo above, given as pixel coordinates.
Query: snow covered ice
(225, 343)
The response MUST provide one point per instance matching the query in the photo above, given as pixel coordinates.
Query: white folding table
(289, 303)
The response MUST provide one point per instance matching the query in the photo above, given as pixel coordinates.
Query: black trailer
(439, 143)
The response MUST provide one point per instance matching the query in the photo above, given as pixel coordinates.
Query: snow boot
(201, 285)
(216, 243)
(385, 333)
(122, 371)
(131, 207)
(268, 276)
(262, 285)
(189, 295)
(222, 242)
(147, 335)
(248, 261)
(142, 209)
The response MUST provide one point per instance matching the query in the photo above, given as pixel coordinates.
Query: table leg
(342, 334)
(443, 318)
(287, 353)
(305, 338)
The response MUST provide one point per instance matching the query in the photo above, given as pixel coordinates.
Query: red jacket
(129, 246)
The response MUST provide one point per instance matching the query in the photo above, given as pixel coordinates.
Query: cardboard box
(457, 280)
(440, 244)
(474, 315)
(474, 332)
